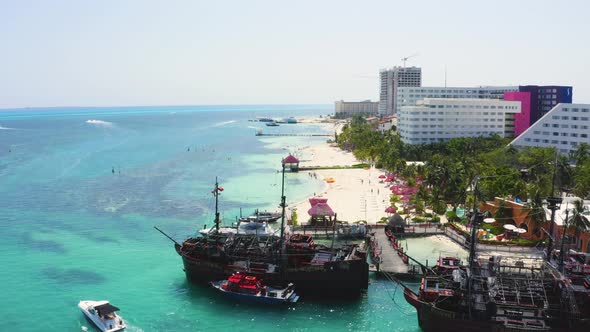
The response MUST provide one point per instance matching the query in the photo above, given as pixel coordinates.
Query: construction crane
(406, 58)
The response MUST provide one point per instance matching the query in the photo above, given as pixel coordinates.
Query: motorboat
(263, 216)
(250, 288)
(272, 124)
(103, 315)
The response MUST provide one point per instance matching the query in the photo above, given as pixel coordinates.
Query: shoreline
(355, 194)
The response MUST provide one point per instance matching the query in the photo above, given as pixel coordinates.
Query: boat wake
(99, 122)
(252, 127)
(219, 124)
(6, 128)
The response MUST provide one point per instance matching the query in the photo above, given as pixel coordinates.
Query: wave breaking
(99, 122)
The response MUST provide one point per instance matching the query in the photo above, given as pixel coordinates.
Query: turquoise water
(70, 229)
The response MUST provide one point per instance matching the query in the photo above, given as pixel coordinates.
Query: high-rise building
(346, 109)
(564, 127)
(435, 120)
(391, 80)
(544, 98)
(522, 120)
(409, 96)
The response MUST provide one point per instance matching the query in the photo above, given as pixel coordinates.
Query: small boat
(272, 124)
(103, 315)
(264, 119)
(262, 217)
(251, 288)
(291, 120)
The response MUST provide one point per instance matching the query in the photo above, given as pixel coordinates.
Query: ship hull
(431, 319)
(343, 278)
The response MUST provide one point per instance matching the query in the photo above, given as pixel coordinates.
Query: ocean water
(71, 229)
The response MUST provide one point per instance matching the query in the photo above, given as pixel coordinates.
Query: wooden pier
(391, 262)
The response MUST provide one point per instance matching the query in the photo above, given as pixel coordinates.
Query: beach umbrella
(509, 227)
(321, 210)
(382, 176)
(489, 220)
(520, 230)
(390, 209)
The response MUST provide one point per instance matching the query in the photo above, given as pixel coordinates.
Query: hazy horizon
(153, 53)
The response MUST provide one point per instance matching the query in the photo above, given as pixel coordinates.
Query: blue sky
(123, 52)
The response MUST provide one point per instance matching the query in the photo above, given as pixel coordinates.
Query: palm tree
(536, 210)
(578, 222)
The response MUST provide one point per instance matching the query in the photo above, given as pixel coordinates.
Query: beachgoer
(113, 170)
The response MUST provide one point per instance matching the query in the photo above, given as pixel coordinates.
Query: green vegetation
(451, 167)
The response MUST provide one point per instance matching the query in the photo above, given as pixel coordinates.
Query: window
(584, 118)
(555, 117)
(575, 118)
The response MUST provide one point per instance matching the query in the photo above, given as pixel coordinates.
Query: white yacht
(103, 315)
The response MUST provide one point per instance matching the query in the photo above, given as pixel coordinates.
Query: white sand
(356, 194)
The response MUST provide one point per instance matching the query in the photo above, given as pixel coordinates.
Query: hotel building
(564, 127)
(537, 101)
(435, 120)
(409, 96)
(391, 80)
(346, 109)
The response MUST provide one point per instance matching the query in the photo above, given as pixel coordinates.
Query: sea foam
(99, 122)
(219, 124)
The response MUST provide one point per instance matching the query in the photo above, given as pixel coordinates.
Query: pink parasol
(390, 209)
(321, 210)
(382, 176)
(315, 200)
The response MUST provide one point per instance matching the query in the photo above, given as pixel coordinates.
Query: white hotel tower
(440, 119)
(564, 127)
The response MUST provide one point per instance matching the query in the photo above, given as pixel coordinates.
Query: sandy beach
(356, 194)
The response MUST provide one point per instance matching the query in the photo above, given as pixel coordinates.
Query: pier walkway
(390, 261)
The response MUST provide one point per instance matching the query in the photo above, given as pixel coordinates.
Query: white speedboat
(103, 315)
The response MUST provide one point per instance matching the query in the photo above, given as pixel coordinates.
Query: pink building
(522, 120)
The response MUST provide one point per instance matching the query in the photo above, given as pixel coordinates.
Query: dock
(391, 262)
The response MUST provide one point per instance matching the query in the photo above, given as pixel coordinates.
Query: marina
(329, 257)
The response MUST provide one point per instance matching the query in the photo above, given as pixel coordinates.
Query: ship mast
(216, 194)
(283, 205)
(475, 221)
